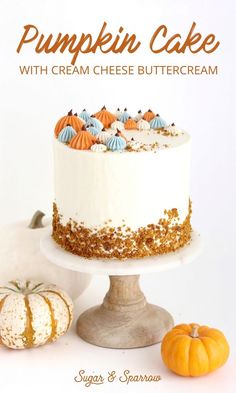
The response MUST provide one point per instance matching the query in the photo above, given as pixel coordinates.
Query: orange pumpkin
(193, 350)
(149, 115)
(83, 140)
(71, 120)
(106, 117)
(130, 124)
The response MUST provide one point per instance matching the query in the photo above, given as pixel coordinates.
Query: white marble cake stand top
(65, 259)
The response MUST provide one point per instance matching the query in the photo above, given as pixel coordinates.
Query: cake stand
(125, 319)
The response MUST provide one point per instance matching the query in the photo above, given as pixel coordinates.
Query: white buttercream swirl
(139, 116)
(135, 145)
(175, 131)
(103, 137)
(99, 148)
(143, 125)
(117, 125)
(118, 113)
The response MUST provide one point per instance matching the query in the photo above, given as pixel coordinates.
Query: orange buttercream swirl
(82, 141)
(71, 120)
(149, 115)
(130, 124)
(106, 117)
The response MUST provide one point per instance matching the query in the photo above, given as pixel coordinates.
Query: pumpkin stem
(194, 332)
(36, 220)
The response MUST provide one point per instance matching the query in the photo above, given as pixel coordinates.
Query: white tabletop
(59, 256)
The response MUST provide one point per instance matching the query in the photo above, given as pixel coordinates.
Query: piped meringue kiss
(84, 115)
(130, 124)
(139, 116)
(94, 123)
(157, 122)
(99, 148)
(143, 125)
(118, 113)
(83, 140)
(124, 116)
(134, 145)
(103, 136)
(116, 143)
(175, 131)
(117, 125)
(93, 130)
(149, 115)
(105, 117)
(66, 134)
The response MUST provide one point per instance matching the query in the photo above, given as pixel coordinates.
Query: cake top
(118, 132)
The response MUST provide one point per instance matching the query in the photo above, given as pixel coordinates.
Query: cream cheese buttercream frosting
(122, 193)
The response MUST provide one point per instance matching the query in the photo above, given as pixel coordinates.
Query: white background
(202, 292)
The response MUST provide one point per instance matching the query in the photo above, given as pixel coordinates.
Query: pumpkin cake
(120, 193)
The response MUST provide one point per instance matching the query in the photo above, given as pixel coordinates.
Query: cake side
(109, 242)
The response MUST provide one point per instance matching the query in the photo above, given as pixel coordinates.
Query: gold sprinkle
(121, 242)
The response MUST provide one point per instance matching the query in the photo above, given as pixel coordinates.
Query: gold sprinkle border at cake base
(168, 235)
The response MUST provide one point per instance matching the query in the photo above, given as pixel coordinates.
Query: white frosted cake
(121, 185)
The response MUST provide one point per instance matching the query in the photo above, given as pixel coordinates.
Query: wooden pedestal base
(125, 319)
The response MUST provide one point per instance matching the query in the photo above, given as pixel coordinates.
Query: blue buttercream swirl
(157, 122)
(92, 121)
(124, 116)
(84, 115)
(116, 143)
(93, 130)
(66, 134)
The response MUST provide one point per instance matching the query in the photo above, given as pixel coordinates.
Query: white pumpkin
(33, 314)
(20, 257)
